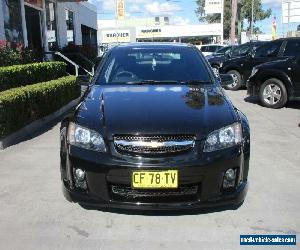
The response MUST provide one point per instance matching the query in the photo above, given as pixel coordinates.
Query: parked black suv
(241, 67)
(155, 130)
(217, 60)
(279, 81)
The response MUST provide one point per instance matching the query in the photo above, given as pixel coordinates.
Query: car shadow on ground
(179, 212)
(255, 100)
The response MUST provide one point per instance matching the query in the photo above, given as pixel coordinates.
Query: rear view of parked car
(277, 82)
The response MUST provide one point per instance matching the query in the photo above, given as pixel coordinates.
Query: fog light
(229, 179)
(79, 178)
(230, 174)
(80, 174)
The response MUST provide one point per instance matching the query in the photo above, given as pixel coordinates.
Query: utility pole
(222, 21)
(289, 14)
(252, 18)
(233, 20)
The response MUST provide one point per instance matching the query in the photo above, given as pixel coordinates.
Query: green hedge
(21, 75)
(20, 106)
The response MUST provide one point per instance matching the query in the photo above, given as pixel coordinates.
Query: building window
(166, 20)
(157, 22)
(12, 21)
(51, 25)
(70, 26)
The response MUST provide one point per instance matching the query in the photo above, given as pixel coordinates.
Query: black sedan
(155, 130)
(276, 82)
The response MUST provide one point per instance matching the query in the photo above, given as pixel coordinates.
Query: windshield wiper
(154, 82)
(195, 81)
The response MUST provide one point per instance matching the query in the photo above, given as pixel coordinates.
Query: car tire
(273, 94)
(237, 80)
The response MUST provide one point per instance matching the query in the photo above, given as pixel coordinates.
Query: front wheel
(273, 94)
(237, 80)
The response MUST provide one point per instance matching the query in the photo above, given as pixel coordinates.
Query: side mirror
(226, 79)
(83, 80)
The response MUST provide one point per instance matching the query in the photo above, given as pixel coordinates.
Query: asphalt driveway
(35, 215)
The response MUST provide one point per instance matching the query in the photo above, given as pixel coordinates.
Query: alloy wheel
(272, 94)
(235, 81)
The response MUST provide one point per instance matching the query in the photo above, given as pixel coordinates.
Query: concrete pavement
(35, 215)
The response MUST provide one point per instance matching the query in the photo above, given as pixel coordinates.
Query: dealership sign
(290, 11)
(145, 32)
(179, 31)
(115, 36)
(213, 6)
(120, 9)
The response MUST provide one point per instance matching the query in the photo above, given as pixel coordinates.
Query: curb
(29, 130)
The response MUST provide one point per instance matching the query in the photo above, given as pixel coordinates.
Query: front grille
(180, 194)
(154, 145)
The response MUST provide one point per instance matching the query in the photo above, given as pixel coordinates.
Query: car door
(296, 76)
(292, 49)
(265, 53)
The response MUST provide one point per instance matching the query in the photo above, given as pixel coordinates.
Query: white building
(48, 24)
(156, 29)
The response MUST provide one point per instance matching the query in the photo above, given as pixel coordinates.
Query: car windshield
(224, 50)
(241, 50)
(145, 65)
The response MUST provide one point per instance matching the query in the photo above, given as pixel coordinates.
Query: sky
(181, 11)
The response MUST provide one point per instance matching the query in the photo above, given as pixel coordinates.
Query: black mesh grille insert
(180, 194)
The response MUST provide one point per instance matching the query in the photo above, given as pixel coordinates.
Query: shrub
(16, 53)
(18, 75)
(20, 106)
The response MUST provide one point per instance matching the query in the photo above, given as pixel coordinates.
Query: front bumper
(233, 199)
(207, 175)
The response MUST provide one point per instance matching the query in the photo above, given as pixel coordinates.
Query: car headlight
(224, 138)
(85, 138)
(254, 71)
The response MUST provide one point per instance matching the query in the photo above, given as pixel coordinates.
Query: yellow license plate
(155, 179)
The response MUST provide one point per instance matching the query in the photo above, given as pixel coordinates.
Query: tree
(245, 13)
(258, 13)
(233, 22)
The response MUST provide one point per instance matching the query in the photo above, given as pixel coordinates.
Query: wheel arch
(232, 67)
(279, 75)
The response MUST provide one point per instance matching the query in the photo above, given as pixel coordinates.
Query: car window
(256, 45)
(204, 48)
(213, 48)
(126, 65)
(292, 48)
(270, 49)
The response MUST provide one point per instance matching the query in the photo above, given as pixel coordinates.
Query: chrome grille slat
(157, 144)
